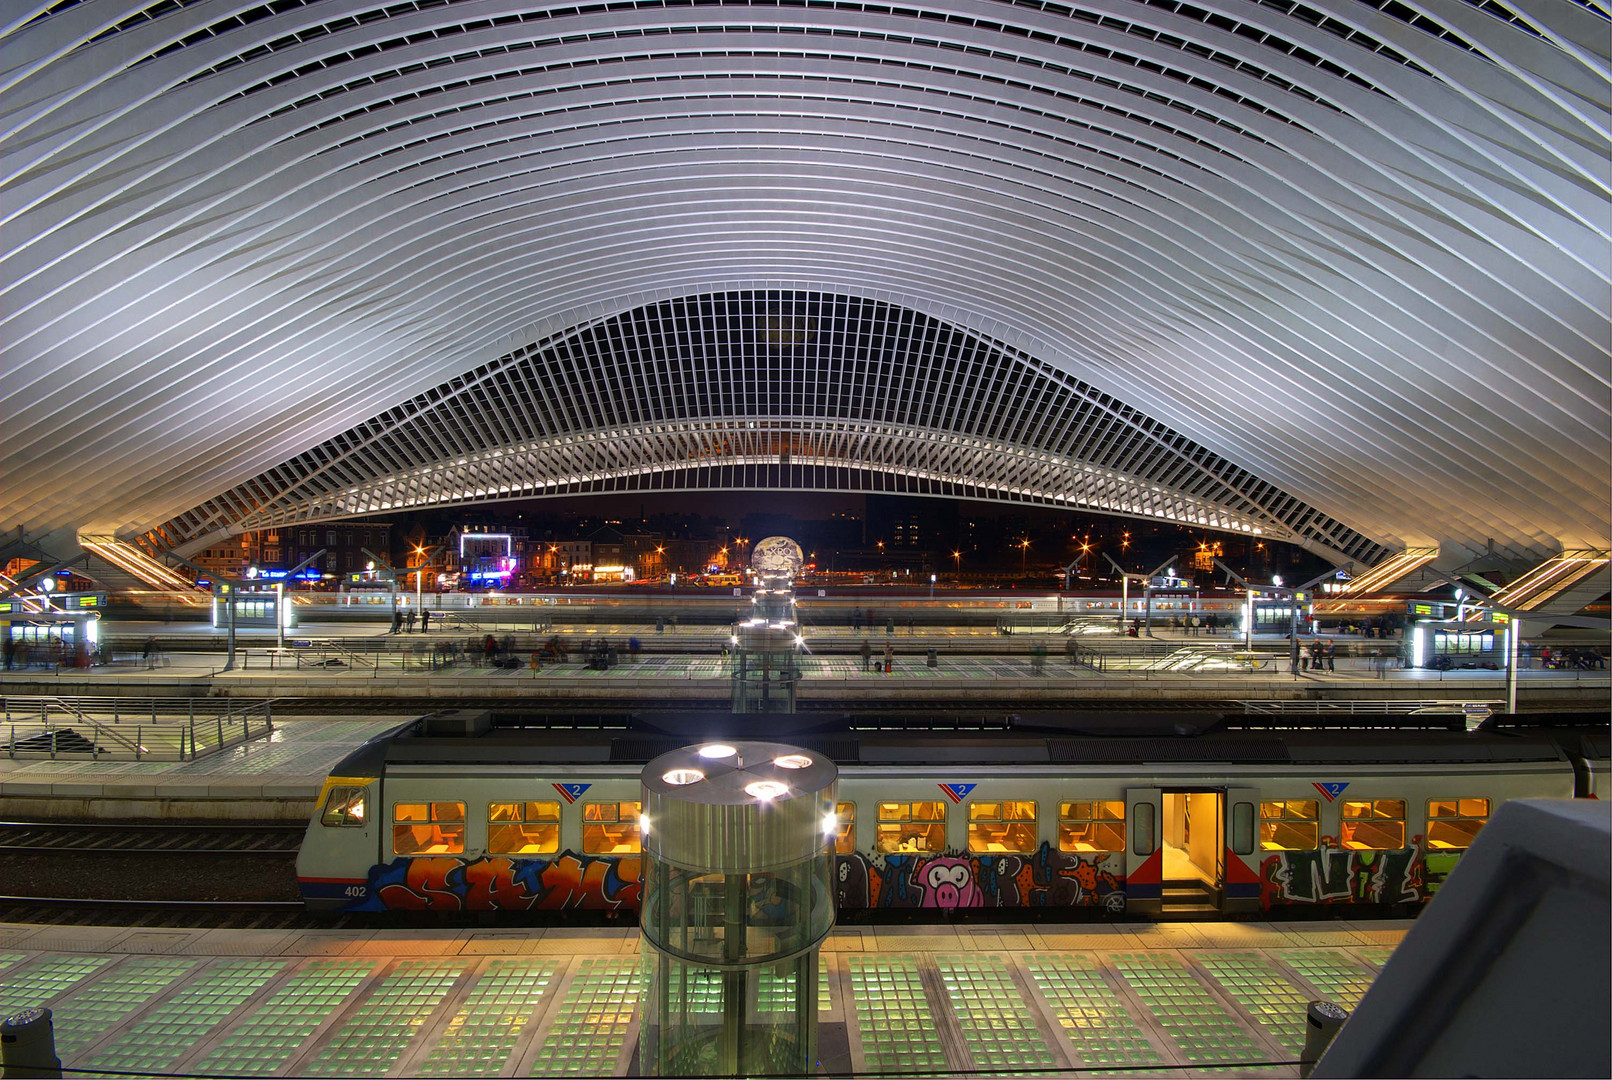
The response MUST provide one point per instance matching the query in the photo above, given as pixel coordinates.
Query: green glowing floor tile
(1259, 986)
(1332, 972)
(591, 1026)
(1376, 955)
(9, 958)
(274, 1032)
(379, 1029)
(101, 1006)
(824, 1003)
(485, 1031)
(1206, 1033)
(898, 1031)
(173, 1028)
(997, 1025)
(43, 979)
(1092, 1015)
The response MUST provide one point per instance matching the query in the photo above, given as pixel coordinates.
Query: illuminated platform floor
(1212, 997)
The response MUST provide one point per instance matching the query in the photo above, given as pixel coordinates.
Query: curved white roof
(1356, 249)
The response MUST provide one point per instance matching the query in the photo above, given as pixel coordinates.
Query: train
(453, 813)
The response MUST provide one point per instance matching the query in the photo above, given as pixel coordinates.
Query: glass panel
(1441, 808)
(411, 812)
(928, 811)
(1242, 828)
(907, 838)
(503, 811)
(1372, 835)
(599, 811)
(893, 811)
(845, 834)
(611, 839)
(447, 811)
(1288, 835)
(1018, 811)
(1074, 810)
(1142, 829)
(992, 838)
(1271, 810)
(1090, 836)
(1475, 808)
(542, 811)
(345, 806)
(1109, 810)
(984, 811)
(1457, 833)
(527, 839)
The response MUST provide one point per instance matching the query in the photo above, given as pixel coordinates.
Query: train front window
(906, 827)
(1289, 825)
(344, 806)
(523, 828)
(610, 828)
(1093, 826)
(1002, 828)
(1372, 825)
(1452, 824)
(845, 828)
(428, 828)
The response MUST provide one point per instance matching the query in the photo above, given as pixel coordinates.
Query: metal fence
(154, 729)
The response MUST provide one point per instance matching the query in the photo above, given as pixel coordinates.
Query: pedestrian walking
(867, 654)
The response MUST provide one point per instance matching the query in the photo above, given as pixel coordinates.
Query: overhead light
(793, 761)
(680, 777)
(766, 789)
(717, 750)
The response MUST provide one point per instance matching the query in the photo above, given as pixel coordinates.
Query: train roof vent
(1097, 751)
(639, 750)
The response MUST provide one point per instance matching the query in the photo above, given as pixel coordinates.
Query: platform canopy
(1334, 272)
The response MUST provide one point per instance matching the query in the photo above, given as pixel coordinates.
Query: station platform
(1165, 999)
(273, 778)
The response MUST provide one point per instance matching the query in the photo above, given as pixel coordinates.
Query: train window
(428, 828)
(911, 827)
(1372, 825)
(345, 806)
(610, 828)
(523, 828)
(1091, 826)
(1453, 823)
(845, 828)
(1289, 825)
(996, 828)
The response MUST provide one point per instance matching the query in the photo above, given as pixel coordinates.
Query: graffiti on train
(565, 882)
(951, 881)
(1332, 875)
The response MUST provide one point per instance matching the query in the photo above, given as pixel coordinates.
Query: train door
(1242, 851)
(1193, 849)
(1143, 881)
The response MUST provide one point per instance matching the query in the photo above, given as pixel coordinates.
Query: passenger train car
(448, 813)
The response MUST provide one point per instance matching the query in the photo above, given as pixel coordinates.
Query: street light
(957, 557)
(1024, 554)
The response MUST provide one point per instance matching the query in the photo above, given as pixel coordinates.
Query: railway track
(156, 838)
(164, 914)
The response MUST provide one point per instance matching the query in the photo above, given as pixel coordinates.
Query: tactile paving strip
(488, 1026)
(90, 1013)
(1091, 1014)
(36, 983)
(1206, 1033)
(591, 1027)
(997, 1026)
(174, 1027)
(895, 1025)
(1258, 986)
(380, 1029)
(272, 1034)
(1330, 972)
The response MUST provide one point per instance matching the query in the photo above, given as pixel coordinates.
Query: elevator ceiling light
(766, 789)
(792, 761)
(682, 776)
(717, 750)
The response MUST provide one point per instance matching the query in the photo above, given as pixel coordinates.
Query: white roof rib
(1357, 249)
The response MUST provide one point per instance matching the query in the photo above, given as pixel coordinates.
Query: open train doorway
(1194, 843)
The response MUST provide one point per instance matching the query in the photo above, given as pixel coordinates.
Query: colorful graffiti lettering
(1332, 875)
(955, 880)
(495, 883)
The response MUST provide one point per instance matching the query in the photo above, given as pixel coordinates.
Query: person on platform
(1329, 652)
(889, 657)
(867, 654)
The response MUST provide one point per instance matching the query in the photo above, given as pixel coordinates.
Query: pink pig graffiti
(950, 884)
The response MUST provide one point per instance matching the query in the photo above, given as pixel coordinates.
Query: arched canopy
(767, 390)
(1356, 249)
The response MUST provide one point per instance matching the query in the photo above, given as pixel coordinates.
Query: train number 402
(357, 890)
